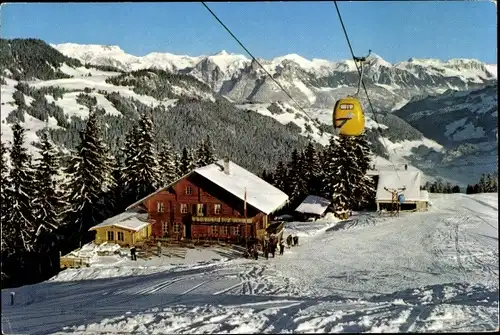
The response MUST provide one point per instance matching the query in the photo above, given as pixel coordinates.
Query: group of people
(292, 241)
(271, 245)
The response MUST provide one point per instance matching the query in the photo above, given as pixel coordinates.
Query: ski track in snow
(419, 272)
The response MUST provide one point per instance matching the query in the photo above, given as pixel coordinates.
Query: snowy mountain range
(229, 97)
(315, 83)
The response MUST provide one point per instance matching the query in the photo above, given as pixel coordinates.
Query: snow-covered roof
(260, 194)
(313, 205)
(126, 220)
(392, 179)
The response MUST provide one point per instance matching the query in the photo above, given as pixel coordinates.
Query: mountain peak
(222, 53)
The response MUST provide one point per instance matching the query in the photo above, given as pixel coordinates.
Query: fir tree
(178, 165)
(482, 183)
(491, 184)
(129, 178)
(18, 222)
(166, 160)
(455, 189)
(89, 178)
(342, 173)
(280, 177)
(363, 186)
(209, 152)
(112, 202)
(192, 160)
(117, 196)
(204, 154)
(185, 162)
(295, 184)
(469, 190)
(311, 169)
(49, 204)
(4, 185)
(49, 198)
(149, 177)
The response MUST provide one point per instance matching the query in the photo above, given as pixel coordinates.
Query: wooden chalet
(218, 201)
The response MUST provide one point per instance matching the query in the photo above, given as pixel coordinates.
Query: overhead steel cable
(363, 83)
(258, 63)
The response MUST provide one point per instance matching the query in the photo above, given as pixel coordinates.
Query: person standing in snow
(266, 251)
(159, 248)
(273, 249)
(295, 240)
(282, 248)
(132, 254)
(289, 241)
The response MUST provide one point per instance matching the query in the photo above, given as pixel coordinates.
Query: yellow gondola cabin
(348, 117)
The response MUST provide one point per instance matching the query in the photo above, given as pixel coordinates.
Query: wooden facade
(196, 208)
(120, 235)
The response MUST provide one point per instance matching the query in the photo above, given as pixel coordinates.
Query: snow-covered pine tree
(280, 177)
(328, 168)
(178, 165)
(311, 169)
(363, 186)
(111, 199)
(18, 224)
(205, 153)
(4, 185)
(166, 159)
(148, 171)
(128, 176)
(49, 198)
(293, 180)
(338, 181)
(199, 157)
(491, 184)
(50, 203)
(192, 160)
(208, 151)
(185, 162)
(89, 176)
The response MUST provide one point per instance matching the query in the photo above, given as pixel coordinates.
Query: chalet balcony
(209, 219)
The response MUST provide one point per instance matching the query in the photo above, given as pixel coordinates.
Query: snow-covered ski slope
(430, 271)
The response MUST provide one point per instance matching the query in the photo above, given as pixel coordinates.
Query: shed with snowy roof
(124, 229)
(406, 183)
(219, 201)
(313, 206)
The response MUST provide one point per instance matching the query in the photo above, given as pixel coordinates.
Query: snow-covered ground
(430, 271)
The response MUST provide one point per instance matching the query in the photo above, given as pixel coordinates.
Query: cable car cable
(354, 58)
(262, 67)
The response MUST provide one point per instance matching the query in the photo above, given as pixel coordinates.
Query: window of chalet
(214, 230)
(217, 209)
(225, 230)
(165, 228)
(189, 190)
(177, 228)
(184, 208)
(200, 209)
(236, 230)
(160, 207)
(111, 236)
(120, 236)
